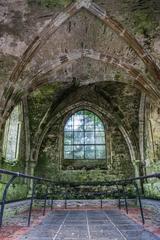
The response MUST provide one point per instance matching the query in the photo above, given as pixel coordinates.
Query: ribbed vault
(17, 86)
(30, 75)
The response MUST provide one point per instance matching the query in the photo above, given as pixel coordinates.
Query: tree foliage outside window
(84, 137)
(12, 135)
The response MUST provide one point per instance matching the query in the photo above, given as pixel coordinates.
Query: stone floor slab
(88, 225)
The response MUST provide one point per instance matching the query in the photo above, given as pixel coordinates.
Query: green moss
(83, 164)
(141, 16)
(16, 166)
(15, 192)
(144, 22)
(153, 167)
(152, 190)
(47, 168)
(38, 103)
(50, 3)
(118, 76)
(6, 64)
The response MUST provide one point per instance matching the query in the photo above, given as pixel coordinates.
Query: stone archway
(39, 136)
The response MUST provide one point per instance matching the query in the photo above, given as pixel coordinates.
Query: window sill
(12, 162)
(84, 164)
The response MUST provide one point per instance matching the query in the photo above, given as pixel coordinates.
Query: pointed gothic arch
(77, 54)
(41, 133)
(14, 88)
(70, 11)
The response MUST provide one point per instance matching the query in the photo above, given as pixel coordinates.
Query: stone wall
(116, 88)
(118, 163)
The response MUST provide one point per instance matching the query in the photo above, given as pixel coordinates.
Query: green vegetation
(144, 22)
(16, 191)
(39, 101)
(152, 190)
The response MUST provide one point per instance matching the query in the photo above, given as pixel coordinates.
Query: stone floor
(88, 224)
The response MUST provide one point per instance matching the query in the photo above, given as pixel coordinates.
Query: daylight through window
(84, 137)
(12, 135)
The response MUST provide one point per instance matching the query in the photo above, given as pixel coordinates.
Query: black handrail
(39, 180)
(155, 175)
(17, 174)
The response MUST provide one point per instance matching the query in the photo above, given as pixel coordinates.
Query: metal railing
(117, 188)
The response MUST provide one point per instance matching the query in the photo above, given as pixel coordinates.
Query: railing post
(65, 204)
(119, 197)
(31, 203)
(140, 202)
(45, 201)
(101, 200)
(52, 201)
(4, 198)
(125, 199)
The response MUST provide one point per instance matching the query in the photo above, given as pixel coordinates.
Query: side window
(12, 135)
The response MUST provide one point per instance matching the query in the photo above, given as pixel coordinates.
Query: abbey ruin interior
(80, 93)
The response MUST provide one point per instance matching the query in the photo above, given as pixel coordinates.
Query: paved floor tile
(88, 225)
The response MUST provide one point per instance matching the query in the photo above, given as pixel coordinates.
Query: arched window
(12, 135)
(84, 137)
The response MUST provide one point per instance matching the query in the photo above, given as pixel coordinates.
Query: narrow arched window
(12, 135)
(84, 137)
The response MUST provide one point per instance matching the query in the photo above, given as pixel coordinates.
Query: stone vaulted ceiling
(82, 42)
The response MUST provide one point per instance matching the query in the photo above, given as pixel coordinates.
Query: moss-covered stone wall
(110, 91)
(51, 163)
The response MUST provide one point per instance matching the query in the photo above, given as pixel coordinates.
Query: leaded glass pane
(84, 135)
(98, 124)
(100, 152)
(78, 121)
(68, 138)
(100, 137)
(69, 125)
(89, 137)
(89, 121)
(90, 152)
(68, 152)
(79, 152)
(78, 137)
